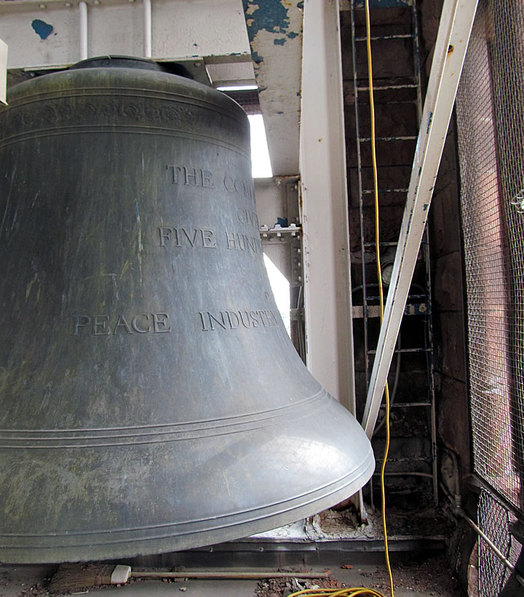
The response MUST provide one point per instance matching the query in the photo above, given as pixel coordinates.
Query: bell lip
(228, 528)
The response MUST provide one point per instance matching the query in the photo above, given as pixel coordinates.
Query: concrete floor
(429, 578)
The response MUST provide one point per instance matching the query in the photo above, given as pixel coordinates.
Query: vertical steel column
(416, 57)
(84, 47)
(328, 307)
(147, 29)
(450, 49)
(360, 196)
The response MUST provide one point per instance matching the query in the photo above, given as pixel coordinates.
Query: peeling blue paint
(42, 28)
(292, 34)
(300, 5)
(280, 41)
(426, 205)
(429, 121)
(267, 15)
(257, 58)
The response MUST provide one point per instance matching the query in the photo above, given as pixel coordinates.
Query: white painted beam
(3, 72)
(452, 41)
(275, 36)
(46, 34)
(324, 204)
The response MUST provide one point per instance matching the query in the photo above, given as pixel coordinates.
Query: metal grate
(490, 117)
(494, 520)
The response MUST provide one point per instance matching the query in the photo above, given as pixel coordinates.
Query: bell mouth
(165, 494)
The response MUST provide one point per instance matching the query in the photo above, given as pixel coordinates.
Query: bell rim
(227, 528)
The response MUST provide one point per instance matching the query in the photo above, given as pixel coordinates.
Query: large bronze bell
(150, 399)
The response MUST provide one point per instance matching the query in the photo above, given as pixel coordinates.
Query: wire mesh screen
(490, 118)
(494, 520)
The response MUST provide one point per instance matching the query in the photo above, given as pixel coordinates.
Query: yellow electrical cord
(354, 591)
(381, 290)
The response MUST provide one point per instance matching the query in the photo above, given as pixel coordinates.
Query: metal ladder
(393, 92)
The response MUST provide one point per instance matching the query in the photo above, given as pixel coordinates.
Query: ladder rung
(397, 102)
(421, 297)
(382, 244)
(373, 244)
(411, 306)
(407, 138)
(373, 311)
(428, 476)
(386, 37)
(387, 87)
(409, 404)
(406, 350)
(407, 459)
(372, 192)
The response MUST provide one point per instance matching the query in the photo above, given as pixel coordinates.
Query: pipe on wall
(147, 29)
(82, 7)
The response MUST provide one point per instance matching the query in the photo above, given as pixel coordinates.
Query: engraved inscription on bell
(107, 325)
(231, 320)
(243, 242)
(188, 175)
(171, 236)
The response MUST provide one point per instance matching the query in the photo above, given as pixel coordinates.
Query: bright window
(261, 165)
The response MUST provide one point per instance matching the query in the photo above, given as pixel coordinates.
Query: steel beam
(450, 49)
(324, 204)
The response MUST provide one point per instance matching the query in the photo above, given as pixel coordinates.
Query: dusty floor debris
(430, 578)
